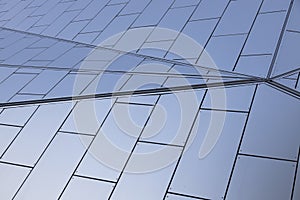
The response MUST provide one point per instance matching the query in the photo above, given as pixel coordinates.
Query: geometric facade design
(149, 99)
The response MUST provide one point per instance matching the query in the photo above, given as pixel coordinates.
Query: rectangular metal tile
(210, 9)
(143, 181)
(36, 135)
(234, 21)
(103, 18)
(153, 13)
(200, 30)
(256, 65)
(268, 131)
(231, 98)
(72, 84)
(288, 58)
(115, 139)
(76, 121)
(56, 166)
(117, 26)
(13, 84)
(17, 116)
(91, 10)
(199, 173)
(224, 51)
(265, 33)
(172, 118)
(135, 6)
(274, 5)
(81, 188)
(44, 82)
(8, 133)
(257, 178)
(175, 19)
(11, 178)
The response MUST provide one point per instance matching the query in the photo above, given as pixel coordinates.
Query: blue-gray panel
(56, 166)
(257, 178)
(153, 13)
(268, 132)
(6, 137)
(234, 21)
(203, 177)
(34, 138)
(11, 178)
(144, 185)
(210, 9)
(81, 188)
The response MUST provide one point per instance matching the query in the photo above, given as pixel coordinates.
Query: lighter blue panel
(91, 10)
(44, 82)
(118, 25)
(268, 131)
(200, 30)
(103, 18)
(37, 134)
(56, 166)
(153, 13)
(257, 178)
(210, 9)
(265, 33)
(234, 21)
(135, 6)
(224, 51)
(203, 177)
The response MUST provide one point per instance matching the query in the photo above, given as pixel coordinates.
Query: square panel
(257, 178)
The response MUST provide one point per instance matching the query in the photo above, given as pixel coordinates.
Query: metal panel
(36, 135)
(237, 98)
(91, 10)
(16, 116)
(256, 65)
(72, 29)
(288, 57)
(293, 23)
(103, 18)
(44, 82)
(72, 84)
(265, 33)
(81, 188)
(5, 72)
(135, 6)
(256, 178)
(7, 135)
(76, 121)
(56, 167)
(268, 131)
(172, 118)
(224, 51)
(234, 21)
(210, 9)
(114, 142)
(274, 5)
(174, 19)
(201, 30)
(13, 84)
(296, 194)
(203, 177)
(118, 25)
(145, 185)
(11, 178)
(153, 13)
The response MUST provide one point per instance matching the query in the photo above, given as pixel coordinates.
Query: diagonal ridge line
(132, 53)
(155, 91)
